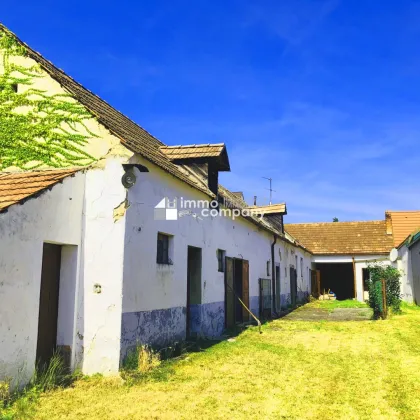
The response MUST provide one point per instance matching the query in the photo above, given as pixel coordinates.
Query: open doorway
(48, 303)
(338, 278)
(193, 290)
(236, 286)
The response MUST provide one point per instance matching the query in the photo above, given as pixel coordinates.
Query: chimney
(388, 222)
(255, 200)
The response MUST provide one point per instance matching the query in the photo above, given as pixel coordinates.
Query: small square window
(163, 243)
(221, 255)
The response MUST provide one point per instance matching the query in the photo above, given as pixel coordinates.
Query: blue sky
(322, 96)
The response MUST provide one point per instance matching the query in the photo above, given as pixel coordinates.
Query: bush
(391, 275)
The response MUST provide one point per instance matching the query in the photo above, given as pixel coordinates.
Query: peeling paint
(120, 210)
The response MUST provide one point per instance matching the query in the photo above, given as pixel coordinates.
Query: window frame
(163, 257)
(221, 258)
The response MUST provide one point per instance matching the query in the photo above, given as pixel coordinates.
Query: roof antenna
(271, 190)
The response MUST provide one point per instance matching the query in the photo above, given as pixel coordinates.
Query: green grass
(295, 369)
(332, 304)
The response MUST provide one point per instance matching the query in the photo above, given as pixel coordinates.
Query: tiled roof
(131, 135)
(403, 223)
(19, 186)
(192, 151)
(270, 209)
(343, 238)
(198, 153)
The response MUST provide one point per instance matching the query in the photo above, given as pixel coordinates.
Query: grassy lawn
(295, 369)
(332, 304)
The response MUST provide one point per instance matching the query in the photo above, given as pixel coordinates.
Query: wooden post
(354, 278)
(384, 308)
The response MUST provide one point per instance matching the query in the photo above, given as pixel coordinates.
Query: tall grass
(21, 403)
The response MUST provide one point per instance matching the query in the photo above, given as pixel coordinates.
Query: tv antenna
(270, 189)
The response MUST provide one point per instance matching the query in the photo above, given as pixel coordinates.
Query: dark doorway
(337, 277)
(48, 303)
(278, 296)
(193, 289)
(236, 286)
(293, 286)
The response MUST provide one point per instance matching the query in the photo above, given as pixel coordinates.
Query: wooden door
(48, 303)
(278, 295)
(315, 287)
(245, 289)
(229, 295)
(293, 285)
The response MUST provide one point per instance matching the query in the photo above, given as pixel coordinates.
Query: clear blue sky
(323, 96)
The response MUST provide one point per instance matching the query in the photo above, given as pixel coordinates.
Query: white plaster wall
(99, 314)
(148, 285)
(404, 266)
(55, 217)
(415, 271)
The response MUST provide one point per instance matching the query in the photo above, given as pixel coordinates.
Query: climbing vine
(37, 129)
(392, 276)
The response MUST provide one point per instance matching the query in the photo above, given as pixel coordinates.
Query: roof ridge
(335, 223)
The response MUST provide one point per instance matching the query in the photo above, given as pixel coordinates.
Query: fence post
(384, 307)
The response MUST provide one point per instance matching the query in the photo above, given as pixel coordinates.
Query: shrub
(391, 275)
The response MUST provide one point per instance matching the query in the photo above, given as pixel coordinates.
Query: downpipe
(273, 278)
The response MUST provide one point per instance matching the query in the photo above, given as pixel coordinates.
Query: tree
(36, 129)
(335, 219)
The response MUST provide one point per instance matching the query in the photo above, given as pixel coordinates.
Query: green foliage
(37, 129)
(22, 402)
(391, 275)
(335, 219)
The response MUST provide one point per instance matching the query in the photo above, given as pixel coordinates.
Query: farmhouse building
(94, 259)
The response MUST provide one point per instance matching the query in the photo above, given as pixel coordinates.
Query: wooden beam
(354, 278)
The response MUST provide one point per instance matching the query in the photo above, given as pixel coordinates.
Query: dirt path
(307, 313)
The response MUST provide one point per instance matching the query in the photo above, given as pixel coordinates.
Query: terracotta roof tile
(16, 187)
(343, 238)
(403, 224)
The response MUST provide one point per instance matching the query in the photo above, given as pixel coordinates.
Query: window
(163, 243)
(268, 267)
(221, 254)
(301, 267)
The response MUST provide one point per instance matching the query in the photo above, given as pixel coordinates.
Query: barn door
(315, 287)
(229, 295)
(48, 303)
(245, 289)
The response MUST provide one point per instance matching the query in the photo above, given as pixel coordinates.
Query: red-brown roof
(343, 238)
(17, 187)
(403, 223)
